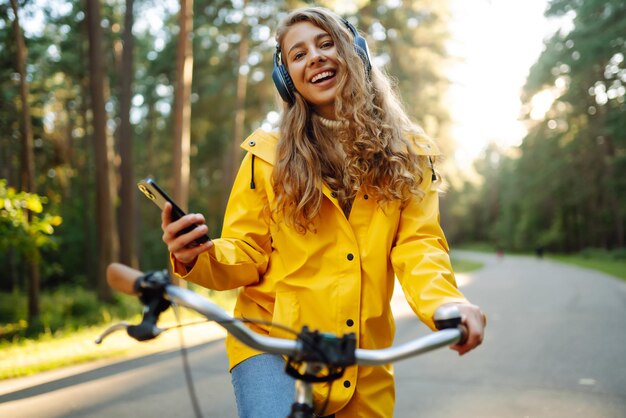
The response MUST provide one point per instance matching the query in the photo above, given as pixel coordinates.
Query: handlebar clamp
(335, 353)
(152, 285)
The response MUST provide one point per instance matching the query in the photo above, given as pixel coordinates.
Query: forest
(564, 187)
(97, 94)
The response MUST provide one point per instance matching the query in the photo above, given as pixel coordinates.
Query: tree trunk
(86, 166)
(615, 235)
(28, 160)
(240, 106)
(106, 224)
(128, 236)
(182, 106)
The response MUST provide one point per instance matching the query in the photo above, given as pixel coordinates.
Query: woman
(321, 218)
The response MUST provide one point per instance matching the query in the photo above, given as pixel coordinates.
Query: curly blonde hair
(369, 150)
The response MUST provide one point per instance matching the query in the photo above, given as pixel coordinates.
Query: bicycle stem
(302, 406)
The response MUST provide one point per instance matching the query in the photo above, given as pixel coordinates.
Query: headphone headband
(282, 79)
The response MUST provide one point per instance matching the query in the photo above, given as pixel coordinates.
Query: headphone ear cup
(360, 44)
(283, 83)
(363, 50)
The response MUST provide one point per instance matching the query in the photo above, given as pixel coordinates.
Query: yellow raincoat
(338, 280)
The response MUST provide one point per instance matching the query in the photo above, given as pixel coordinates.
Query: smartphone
(152, 191)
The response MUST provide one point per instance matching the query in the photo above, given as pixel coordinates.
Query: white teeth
(321, 75)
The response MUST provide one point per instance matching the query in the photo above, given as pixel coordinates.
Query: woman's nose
(316, 56)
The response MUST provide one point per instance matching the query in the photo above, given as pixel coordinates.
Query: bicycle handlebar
(124, 279)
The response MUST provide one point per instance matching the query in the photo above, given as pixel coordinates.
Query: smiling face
(310, 56)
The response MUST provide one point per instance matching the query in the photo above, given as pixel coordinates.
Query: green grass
(482, 247)
(49, 352)
(609, 262)
(462, 265)
(27, 356)
(614, 267)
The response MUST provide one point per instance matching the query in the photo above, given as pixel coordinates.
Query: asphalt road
(555, 347)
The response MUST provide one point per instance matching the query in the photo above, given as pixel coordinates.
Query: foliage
(411, 42)
(19, 232)
(64, 310)
(564, 188)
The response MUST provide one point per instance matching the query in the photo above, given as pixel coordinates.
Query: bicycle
(311, 357)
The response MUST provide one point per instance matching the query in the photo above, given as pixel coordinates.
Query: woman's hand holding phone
(184, 247)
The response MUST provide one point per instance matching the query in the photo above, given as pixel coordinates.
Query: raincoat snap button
(350, 256)
(349, 322)
(346, 383)
(252, 143)
(366, 197)
(334, 194)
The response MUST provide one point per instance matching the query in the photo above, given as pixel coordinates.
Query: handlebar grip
(122, 278)
(464, 334)
(449, 316)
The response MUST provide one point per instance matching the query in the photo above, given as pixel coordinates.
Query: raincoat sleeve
(240, 256)
(420, 256)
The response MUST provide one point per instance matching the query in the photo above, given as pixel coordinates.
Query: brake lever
(151, 288)
(144, 331)
(110, 330)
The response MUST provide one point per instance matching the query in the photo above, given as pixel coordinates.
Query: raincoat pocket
(286, 317)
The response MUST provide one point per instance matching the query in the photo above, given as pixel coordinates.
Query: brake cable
(187, 370)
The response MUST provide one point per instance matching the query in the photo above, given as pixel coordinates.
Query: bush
(19, 232)
(619, 254)
(12, 307)
(602, 254)
(65, 309)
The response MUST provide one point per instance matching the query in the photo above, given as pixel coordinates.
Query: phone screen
(152, 191)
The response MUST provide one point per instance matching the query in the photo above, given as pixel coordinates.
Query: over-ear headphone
(283, 81)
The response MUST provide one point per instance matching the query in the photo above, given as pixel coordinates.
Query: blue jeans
(262, 388)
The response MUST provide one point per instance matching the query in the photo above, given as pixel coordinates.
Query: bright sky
(498, 41)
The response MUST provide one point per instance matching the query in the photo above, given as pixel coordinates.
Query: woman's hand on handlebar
(475, 321)
(183, 247)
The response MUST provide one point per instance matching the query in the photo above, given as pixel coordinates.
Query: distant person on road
(324, 213)
(539, 251)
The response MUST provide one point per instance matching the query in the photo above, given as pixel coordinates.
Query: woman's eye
(298, 55)
(327, 44)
